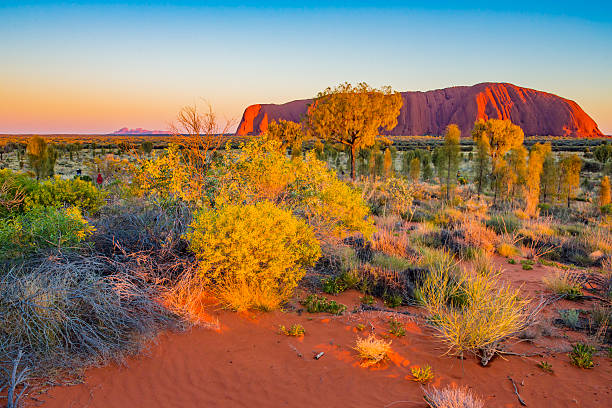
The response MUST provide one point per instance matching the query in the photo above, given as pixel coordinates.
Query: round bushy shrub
(252, 256)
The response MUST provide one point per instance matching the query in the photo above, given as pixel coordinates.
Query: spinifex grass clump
(488, 312)
(565, 284)
(372, 350)
(451, 397)
(66, 313)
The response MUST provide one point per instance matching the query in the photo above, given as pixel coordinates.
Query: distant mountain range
(139, 131)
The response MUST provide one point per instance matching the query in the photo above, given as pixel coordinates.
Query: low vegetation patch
(564, 283)
(582, 355)
(318, 304)
(451, 397)
(295, 330)
(422, 374)
(372, 350)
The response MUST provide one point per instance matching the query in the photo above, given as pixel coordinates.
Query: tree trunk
(353, 151)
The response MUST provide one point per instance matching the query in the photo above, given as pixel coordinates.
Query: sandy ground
(246, 363)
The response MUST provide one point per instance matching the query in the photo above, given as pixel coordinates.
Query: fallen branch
(516, 392)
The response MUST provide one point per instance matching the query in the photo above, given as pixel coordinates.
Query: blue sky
(95, 67)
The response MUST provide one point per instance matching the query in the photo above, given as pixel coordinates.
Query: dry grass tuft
(372, 350)
(390, 242)
(451, 397)
(564, 283)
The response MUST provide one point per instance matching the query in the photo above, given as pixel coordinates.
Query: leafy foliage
(253, 246)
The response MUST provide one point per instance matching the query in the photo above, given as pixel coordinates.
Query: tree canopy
(353, 116)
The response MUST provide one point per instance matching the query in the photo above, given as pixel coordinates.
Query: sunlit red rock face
(428, 113)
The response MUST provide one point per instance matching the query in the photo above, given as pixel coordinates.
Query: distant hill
(139, 131)
(428, 113)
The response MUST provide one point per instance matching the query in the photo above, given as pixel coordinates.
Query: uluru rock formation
(428, 113)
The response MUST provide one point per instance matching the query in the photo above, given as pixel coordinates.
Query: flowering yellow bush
(307, 187)
(252, 256)
(260, 171)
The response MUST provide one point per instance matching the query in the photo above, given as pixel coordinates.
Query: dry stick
(516, 392)
(402, 402)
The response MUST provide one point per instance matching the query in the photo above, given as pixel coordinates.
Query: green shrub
(67, 193)
(296, 330)
(14, 188)
(41, 229)
(393, 263)
(392, 300)
(396, 328)
(502, 224)
(582, 355)
(252, 256)
(527, 264)
(318, 304)
(367, 300)
(570, 317)
(333, 285)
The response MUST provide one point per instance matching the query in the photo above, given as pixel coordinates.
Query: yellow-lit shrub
(372, 350)
(252, 256)
(506, 250)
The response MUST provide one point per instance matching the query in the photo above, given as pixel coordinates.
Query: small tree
(570, 176)
(415, 169)
(502, 135)
(550, 177)
(604, 191)
(537, 156)
(290, 134)
(482, 162)
(146, 146)
(447, 159)
(517, 162)
(41, 157)
(353, 116)
(387, 163)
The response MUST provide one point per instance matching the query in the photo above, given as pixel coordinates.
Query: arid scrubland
(91, 271)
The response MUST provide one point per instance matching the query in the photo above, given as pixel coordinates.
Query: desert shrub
(259, 248)
(14, 188)
(565, 284)
(490, 311)
(318, 304)
(545, 366)
(372, 350)
(582, 355)
(393, 196)
(390, 242)
(451, 397)
(42, 229)
(67, 193)
(442, 283)
(447, 217)
(504, 223)
(68, 312)
(422, 374)
(307, 187)
(393, 263)
(394, 287)
(476, 235)
(296, 330)
(570, 318)
(507, 250)
(333, 285)
(396, 328)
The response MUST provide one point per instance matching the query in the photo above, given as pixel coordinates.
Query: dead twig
(516, 392)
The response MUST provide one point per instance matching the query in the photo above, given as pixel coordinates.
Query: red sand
(248, 364)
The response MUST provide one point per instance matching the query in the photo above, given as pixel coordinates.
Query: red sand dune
(246, 363)
(428, 113)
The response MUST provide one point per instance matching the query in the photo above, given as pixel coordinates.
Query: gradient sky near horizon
(97, 66)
